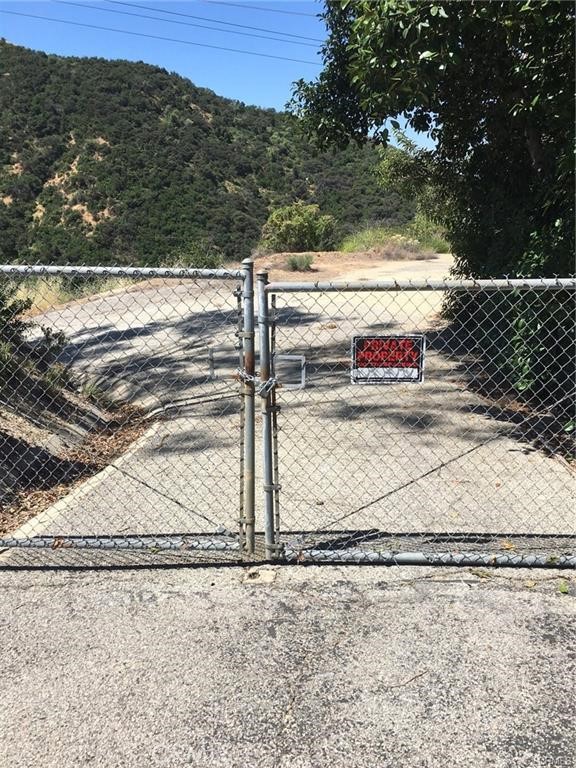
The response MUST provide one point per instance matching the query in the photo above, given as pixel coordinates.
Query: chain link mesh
(122, 412)
(476, 463)
(120, 424)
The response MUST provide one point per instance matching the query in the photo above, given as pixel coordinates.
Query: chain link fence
(421, 422)
(122, 417)
(400, 422)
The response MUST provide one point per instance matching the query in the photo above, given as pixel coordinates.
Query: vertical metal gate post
(275, 410)
(266, 386)
(249, 454)
(240, 348)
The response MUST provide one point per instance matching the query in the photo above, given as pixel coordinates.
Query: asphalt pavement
(299, 667)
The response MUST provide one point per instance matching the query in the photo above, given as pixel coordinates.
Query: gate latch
(266, 387)
(263, 388)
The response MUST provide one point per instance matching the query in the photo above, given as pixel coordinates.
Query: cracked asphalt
(288, 666)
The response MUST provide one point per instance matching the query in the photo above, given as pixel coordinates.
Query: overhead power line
(156, 37)
(217, 21)
(181, 23)
(261, 8)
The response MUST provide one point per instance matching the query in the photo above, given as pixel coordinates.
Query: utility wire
(182, 23)
(157, 37)
(260, 8)
(217, 21)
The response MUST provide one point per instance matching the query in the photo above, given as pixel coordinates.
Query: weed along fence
(145, 417)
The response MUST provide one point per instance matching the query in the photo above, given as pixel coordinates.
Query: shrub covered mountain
(112, 161)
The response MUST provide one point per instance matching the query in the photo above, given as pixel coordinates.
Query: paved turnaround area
(295, 666)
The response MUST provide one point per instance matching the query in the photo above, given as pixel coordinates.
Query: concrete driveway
(290, 667)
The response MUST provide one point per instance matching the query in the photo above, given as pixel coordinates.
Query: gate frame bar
(267, 384)
(249, 452)
(507, 284)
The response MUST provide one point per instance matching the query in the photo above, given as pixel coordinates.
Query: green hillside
(112, 161)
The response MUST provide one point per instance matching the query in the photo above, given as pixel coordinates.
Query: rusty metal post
(249, 404)
(240, 349)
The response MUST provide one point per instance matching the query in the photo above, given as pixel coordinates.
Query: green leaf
(427, 55)
(564, 588)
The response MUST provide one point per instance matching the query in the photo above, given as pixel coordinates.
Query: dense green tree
(493, 84)
(112, 161)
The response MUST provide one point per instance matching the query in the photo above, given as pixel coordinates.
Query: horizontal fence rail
(538, 284)
(453, 559)
(167, 273)
(133, 543)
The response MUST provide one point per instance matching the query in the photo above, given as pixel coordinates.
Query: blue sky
(256, 80)
(294, 27)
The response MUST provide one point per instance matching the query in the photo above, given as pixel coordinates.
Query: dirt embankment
(50, 441)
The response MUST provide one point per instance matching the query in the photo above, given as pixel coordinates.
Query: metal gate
(419, 422)
(401, 422)
(123, 416)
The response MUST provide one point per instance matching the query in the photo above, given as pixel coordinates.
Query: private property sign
(388, 359)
